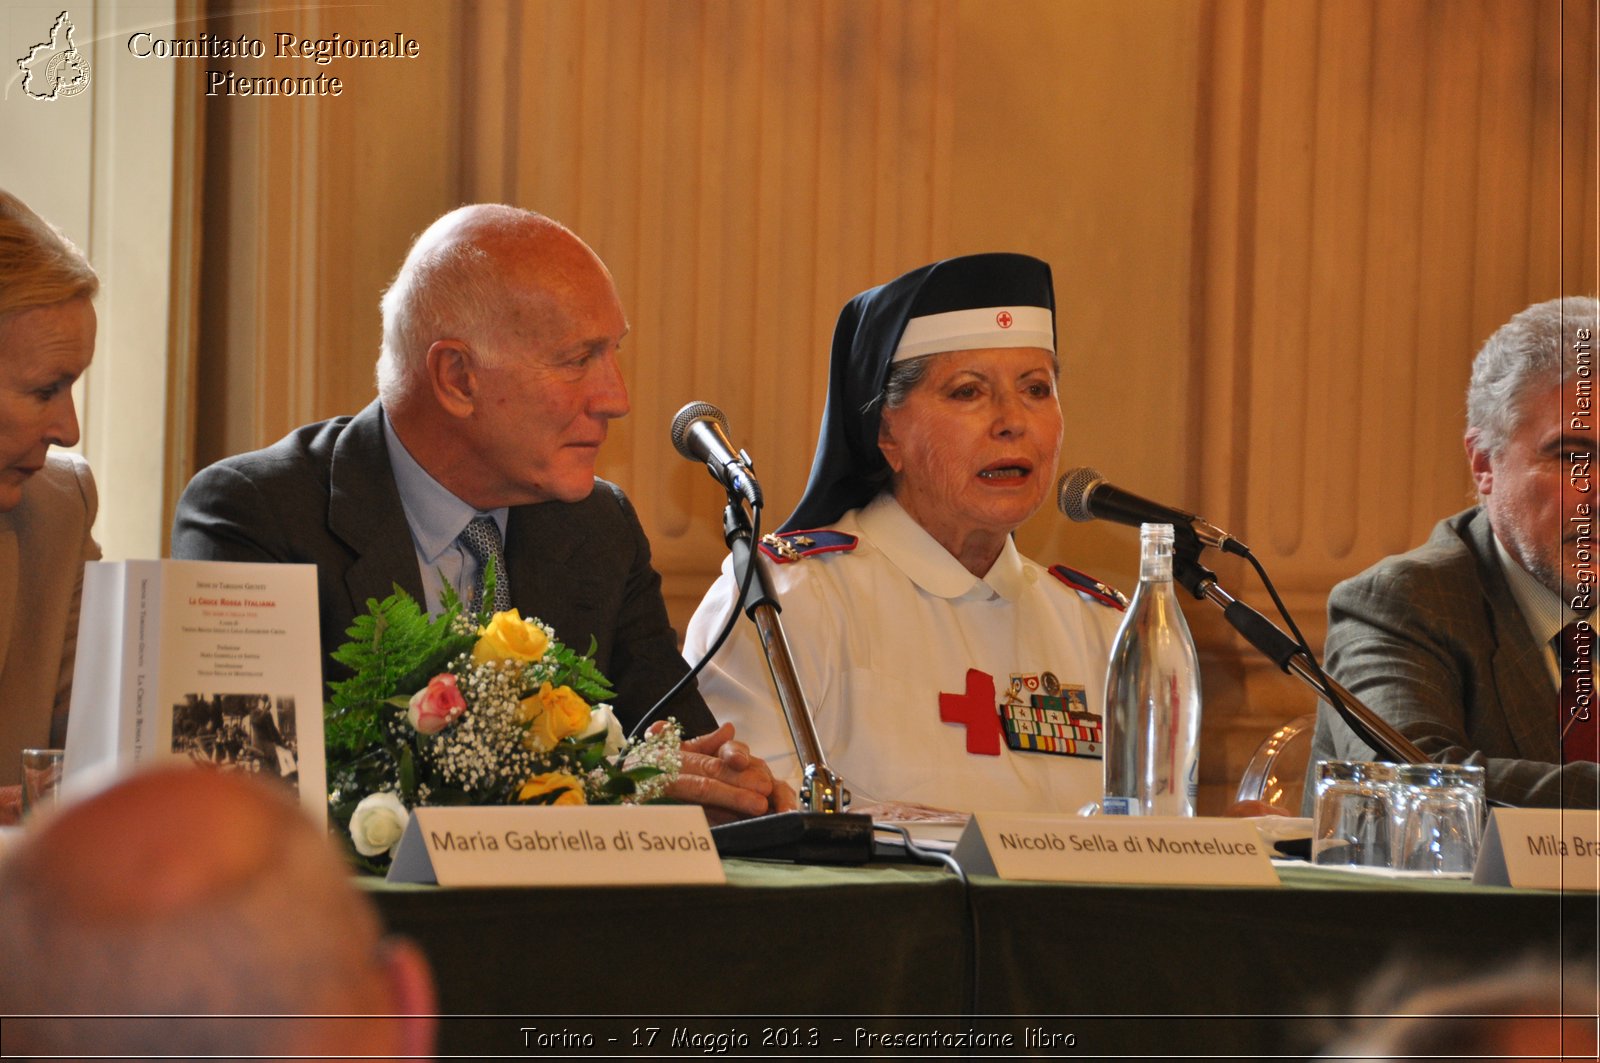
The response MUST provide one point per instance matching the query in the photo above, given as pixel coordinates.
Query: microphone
(700, 433)
(1083, 494)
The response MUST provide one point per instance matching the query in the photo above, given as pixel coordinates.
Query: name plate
(1541, 848)
(1173, 850)
(542, 845)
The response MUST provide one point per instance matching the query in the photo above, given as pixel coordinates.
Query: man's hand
(720, 774)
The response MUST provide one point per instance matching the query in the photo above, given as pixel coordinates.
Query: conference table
(905, 959)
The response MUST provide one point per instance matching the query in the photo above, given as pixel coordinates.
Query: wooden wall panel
(1074, 140)
(308, 207)
(743, 168)
(1577, 39)
(1408, 191)
(1280, 231)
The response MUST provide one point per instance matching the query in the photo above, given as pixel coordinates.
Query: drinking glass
(1354, 813)
(41, 778)
(1439, 813)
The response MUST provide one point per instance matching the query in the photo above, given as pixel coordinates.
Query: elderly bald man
(499, 376)
(209, 900)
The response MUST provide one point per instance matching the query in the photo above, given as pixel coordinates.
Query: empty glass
(1439, 815)
(41, 777)
(1354, 813)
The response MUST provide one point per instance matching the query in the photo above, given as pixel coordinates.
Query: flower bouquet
(473, 710)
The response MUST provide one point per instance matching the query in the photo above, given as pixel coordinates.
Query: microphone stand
(823, 831)
(820, 790)
(1264, 635)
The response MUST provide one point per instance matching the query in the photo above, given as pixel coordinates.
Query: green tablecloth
(776, 940)
(1186, 959)
(1127, 969)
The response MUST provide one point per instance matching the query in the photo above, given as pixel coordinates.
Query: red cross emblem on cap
(1003, 319)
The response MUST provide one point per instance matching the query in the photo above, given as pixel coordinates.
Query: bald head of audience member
(188, 892)
(1529, 1009)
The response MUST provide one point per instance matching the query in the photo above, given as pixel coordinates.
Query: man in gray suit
(497, 380)
(1456, 642)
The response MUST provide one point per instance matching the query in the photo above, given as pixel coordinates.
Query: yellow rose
(551, 715)
(551, 781)
(508, 637)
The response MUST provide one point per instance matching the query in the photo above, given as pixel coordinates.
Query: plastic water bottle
(1152, 696)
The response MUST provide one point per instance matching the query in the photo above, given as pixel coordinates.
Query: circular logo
(1003, 319)
(67, 74)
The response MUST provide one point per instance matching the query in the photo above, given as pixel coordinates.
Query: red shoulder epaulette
(787, 547)
(1086, 584)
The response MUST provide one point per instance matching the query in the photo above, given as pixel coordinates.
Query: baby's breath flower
(483, 756)
(661, 751)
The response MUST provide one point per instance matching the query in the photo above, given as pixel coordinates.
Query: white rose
(602, 719)
(377, 823)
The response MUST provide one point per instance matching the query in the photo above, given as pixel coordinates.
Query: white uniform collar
(910, 548)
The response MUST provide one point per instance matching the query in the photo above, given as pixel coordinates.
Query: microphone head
(1072, 492)
(694, 411)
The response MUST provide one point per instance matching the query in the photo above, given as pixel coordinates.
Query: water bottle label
(1120, 806)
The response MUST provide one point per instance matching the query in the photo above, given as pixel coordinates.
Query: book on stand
(210, 661)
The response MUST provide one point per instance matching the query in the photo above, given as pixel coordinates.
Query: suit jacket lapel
(547, 576)
(1518, 664)
(365, 511)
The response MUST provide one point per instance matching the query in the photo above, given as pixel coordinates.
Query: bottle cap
(1161, 533)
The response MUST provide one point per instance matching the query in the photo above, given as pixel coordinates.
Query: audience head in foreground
(1479, 645)
(912, 614)
(1528, 1010)
(47, 498)
(190, 892)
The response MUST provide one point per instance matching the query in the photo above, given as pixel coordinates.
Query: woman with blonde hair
(47, 500)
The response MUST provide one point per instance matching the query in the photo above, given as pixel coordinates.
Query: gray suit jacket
(44, 542)
(325, 495)
(1435, 643)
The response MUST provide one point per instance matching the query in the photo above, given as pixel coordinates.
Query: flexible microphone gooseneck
(1083, 494)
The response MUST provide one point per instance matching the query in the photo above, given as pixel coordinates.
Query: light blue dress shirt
(436, 518)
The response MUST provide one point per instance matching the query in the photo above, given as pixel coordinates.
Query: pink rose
(436, 706)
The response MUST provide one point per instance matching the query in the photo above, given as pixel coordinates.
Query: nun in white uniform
(944, 669)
